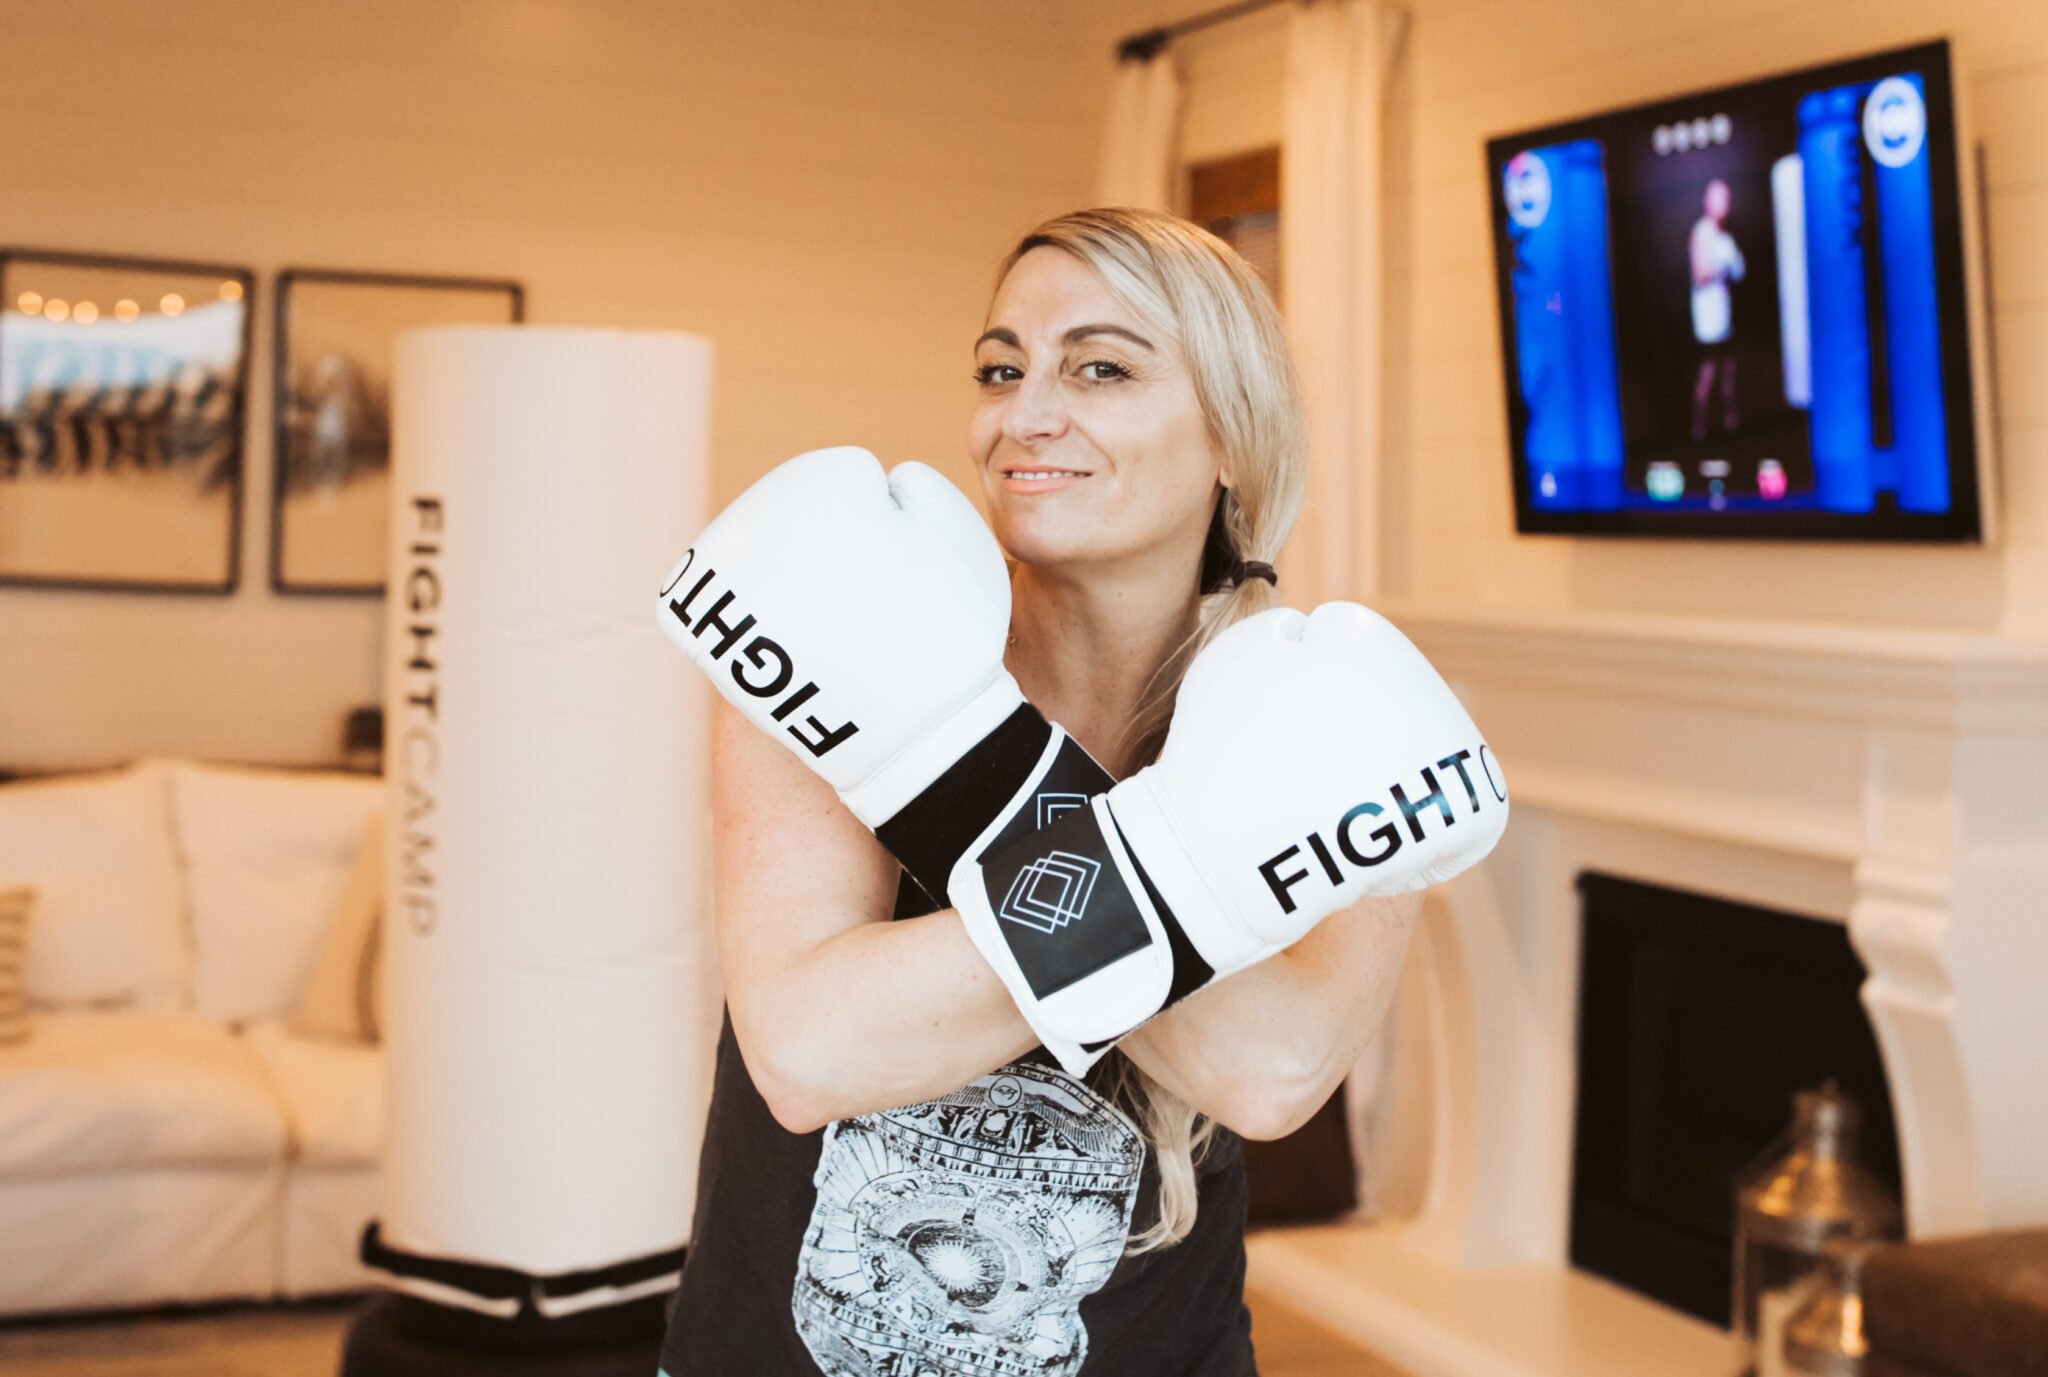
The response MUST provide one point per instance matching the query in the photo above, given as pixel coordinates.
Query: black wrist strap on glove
(933, 830)
(929, 834)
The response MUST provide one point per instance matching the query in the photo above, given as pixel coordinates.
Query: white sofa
(167, 1134)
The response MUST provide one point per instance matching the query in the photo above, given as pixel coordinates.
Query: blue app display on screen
(1742, 310)
(1564, 324)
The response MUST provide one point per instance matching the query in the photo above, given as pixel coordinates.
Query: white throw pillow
(268, 853)
(98, 850)
(17, 905)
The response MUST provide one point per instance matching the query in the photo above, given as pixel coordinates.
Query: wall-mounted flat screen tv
(1743, 311)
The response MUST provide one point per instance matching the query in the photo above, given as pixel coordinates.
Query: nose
(1036, 413)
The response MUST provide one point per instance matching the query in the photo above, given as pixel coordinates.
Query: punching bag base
(381, 1344)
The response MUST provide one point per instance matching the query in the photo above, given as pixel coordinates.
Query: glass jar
(1806, 1190)
(1824, 1337)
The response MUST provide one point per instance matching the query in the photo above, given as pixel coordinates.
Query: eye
(1112, 370)
(994, 374)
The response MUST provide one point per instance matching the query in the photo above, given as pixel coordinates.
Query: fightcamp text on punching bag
(419, 739)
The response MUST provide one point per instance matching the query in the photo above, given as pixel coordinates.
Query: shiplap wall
(822, 188)
(1231, 76)
(1476, 68)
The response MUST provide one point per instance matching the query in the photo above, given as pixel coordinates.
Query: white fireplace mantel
(1895, 780)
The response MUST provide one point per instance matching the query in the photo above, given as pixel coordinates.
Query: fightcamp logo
(772, 669)
(1051, 892)
(1053, 807)
(1387, 835)
(418, 757)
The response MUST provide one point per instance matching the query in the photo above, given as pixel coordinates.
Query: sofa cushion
(16, 906)
(94, 1091)
(333, 1093)
(268, 855)
(98, 850)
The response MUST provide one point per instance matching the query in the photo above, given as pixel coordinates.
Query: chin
(1046, 542)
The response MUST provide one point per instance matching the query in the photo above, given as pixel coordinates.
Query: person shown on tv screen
(1716, 262)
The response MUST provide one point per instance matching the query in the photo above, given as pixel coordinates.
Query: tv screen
(1743, 312)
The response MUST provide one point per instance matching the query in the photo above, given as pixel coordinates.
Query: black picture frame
(184, 429)
(325, 442)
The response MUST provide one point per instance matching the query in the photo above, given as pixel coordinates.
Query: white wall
(1477, 68)
(822, 188)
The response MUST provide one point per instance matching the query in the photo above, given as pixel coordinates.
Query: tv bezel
(1966, 522)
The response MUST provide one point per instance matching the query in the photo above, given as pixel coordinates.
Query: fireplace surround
(1894, 781)
(1698, 1020)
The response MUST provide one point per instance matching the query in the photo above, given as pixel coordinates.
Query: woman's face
(1089, 441)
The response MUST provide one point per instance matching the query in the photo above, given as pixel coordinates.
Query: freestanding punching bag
(551, 984)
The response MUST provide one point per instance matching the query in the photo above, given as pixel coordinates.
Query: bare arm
(838, 1010)
(1261, 1051)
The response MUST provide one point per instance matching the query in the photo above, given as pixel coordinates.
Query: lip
(1013, 483)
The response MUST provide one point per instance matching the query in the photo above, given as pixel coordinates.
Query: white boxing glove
(1312, 761)
(859, 618)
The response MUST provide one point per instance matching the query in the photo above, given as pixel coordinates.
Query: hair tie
(1253, 569)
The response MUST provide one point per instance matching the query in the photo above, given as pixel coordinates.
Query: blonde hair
(1192, 288)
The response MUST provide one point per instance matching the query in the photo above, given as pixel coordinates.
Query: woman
(895, 1179)
(1716, 262)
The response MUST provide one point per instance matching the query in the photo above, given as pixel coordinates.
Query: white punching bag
(552, 984)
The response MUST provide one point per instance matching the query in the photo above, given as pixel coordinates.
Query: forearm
(875, 1016)
(1262, 1050)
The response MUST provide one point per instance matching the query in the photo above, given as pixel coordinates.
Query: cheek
(1165, 500)
(981, 424)
(1186, 463)
(984, 429)
(1166, 463)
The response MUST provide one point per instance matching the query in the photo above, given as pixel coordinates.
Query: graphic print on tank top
(961, 1235)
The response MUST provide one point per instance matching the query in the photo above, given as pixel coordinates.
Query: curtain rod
(1143, 47)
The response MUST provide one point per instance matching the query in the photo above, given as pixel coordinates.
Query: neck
(1084, 648)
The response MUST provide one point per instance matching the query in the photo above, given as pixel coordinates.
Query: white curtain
(1338, 52)
(1141, 141)
(1331, 200)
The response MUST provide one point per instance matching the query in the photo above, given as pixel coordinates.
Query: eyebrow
(1073, 336)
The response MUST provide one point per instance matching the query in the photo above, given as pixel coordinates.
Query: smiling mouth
(1042, 475)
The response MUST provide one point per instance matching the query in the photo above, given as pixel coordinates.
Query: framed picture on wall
(122, 383)
(332, 486)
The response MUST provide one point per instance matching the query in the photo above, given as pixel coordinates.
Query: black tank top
(980, 1234)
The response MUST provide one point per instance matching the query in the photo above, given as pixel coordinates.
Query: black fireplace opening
(1698, 1019)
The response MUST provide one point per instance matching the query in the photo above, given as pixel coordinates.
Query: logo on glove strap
(1053, 807)
(1051, 892)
